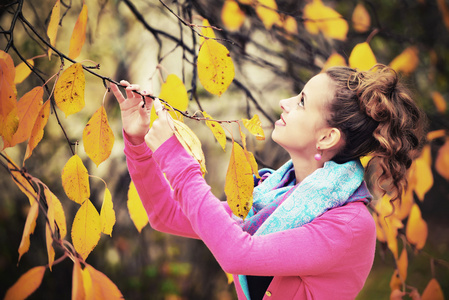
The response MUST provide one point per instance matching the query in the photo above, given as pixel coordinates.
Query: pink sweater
(329, 258)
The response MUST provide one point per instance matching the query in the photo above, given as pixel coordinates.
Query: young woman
(309, 234)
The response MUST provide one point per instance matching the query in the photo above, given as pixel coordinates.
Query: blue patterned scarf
(280, 204)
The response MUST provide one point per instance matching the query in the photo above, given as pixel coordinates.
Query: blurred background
(143, 42)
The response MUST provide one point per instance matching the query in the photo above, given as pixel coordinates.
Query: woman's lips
(280, 122)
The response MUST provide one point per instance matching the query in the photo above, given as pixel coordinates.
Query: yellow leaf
(24, 185)
(9, 120)
(190, 142)
(232, 16)
(425, 179)
(217, 130)
(365, 160)
(78, 34)
(362, 57)
(207, 31)
(249, 156)
(442, 160)
(333, 60)
(387, 225)
(98, 137)
(436, 134)
(439, 102)
(444, 12)
(403, 210)
(59, 216)
(254, 126)
(319, 17)
(135, 207)
(53, 25)
(266, 10)
(407, 61)
(290, 25)
(103, 287)
(400, 273)
(433, 291)
(30, 225)
(22, 71)
(50, 226)
(28, 109)
(215, 67)
(75, 180)
(26, 284)
(230, 278)
(69, 90)
(416, 230)
(361, 20)
(88, 285)
(239, 183)
(174, 93)
(86, 229)
(107, 213)
(77, 281)
(38, 129)
(247, 2)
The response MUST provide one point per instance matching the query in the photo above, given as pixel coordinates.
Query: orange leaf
(77, 282)
(53, 25)
(50, 227)
(30, 225)
(232, 16)
(387, 225)
(78, 34)
(433, 291)
(87, 284)
(59, 216)
(362, 57)
(442, 160)
(174, 92)
(239, 183)
(361, 20)
(28, 109)
(23, 184)
(319, 17)
(98, 137)
(425, 179)
(334, 60)
(191, 143)
(254, 126)
(136, 210)
(215, 67)
(444, 12)
(22, 71)
(217, 130)
(407, 61)
(416, 230)
(86, 229)
(103, 287)
(107, 213)
(38, 129)
(436, 134)
(266, 10)
(439, 102)
(400, 274)
(69, 90)
(26, 284)
(9, 120)
(75, 180)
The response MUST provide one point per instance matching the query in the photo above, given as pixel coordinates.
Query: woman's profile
(309, 234)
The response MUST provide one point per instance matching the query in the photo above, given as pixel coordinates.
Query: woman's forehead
(320, 88)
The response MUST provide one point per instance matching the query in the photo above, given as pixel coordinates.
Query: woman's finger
(118, 95)
(158, 108)
(130, 90)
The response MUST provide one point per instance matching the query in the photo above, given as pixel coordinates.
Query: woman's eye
(301, 101)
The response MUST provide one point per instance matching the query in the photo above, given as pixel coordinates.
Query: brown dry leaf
(433, 291)
(98, 137)
(232, 16)
(136, 209)
(26, 285)
(439, 102)
(86, 229)
(191, 143)
(442, 160)
(239, 183)
(75, 180)
(53, 25)
(69, 90)
(78, 34)
(362, 57)
(30, 225)
(38, 129)
(361, 20)
(416, 230)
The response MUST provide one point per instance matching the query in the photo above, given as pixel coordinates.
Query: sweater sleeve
(164, 213)
(307, 250)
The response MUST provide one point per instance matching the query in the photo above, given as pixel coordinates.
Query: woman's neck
(305, 167)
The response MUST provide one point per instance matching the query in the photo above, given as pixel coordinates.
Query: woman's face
(304, 117)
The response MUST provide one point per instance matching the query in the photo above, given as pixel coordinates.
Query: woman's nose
(284, 104)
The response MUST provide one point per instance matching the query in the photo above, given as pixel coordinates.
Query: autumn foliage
(24, 116)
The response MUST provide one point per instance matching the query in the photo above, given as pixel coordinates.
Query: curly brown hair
(377, 117)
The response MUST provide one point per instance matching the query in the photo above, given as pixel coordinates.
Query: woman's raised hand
(162, 128)
(135, 115)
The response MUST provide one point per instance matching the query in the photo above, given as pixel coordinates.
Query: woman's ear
(330, 139)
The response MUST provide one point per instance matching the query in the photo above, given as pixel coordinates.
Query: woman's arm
(307, 250)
